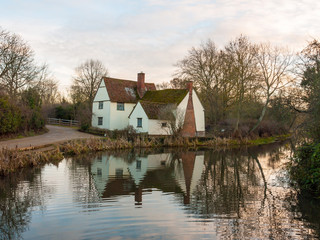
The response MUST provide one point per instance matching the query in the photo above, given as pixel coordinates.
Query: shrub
(10, 116)
(305, 169)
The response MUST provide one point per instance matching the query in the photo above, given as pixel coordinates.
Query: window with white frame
(139, 122)
(120, 106)
(138, 164)
(100, 121)
(101, 105)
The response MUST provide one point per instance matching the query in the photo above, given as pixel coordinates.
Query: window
(120, 106)
(139, 122)
(101, 105)
(100, 121)
(138, 164)
(99, 171)
(164, 124)
(119, 172)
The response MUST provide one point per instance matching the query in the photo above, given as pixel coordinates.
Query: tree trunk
(261, 116)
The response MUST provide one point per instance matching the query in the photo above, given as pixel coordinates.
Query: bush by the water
(306, 168)
(21, 115)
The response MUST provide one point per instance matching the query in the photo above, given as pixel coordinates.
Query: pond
(159, 194)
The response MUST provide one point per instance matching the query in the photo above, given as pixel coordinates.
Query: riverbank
(13, 159)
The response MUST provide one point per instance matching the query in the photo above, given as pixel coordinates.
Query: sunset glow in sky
(150, 35)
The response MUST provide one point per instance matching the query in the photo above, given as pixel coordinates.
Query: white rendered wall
(181, 110)
(138, 112)
(120, 119)
(101, 95)
(138, 173)
(100, 180)
(155, 160)
(198, 113)
(156, 129)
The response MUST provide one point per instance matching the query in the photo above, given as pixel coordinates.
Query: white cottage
(120, 103)
(114, 101)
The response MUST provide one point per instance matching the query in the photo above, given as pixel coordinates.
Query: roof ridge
(144, 101)
(127, 80)
(119, 79)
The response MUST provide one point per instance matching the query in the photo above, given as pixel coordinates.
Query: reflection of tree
(83, 187)
(236, 190)
(19, 193)
(225, 183)
(307, 209)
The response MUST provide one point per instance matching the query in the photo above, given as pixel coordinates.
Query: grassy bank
(11, 160)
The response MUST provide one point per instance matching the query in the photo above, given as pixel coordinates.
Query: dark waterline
(159, 194)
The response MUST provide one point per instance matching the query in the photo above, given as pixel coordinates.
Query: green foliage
(311, 84)
(64, 112)
(21, 116)
(10, 116)
(306, 168)
(32, 98)
(33, 117)
(280, 112)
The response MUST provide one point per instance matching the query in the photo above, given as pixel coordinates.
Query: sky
(150, 35)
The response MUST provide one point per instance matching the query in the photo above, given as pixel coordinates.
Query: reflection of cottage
(115, 176)
(119, 103)
(188, 172)
(106, 168)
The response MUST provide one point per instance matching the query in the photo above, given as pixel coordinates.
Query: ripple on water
(193, 195)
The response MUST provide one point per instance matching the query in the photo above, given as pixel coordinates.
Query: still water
(159, 194)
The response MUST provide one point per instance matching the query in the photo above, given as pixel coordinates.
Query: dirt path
(55, 134)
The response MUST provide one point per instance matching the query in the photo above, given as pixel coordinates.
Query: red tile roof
(125, 91)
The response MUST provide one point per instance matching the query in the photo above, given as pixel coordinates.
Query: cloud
(151, 35)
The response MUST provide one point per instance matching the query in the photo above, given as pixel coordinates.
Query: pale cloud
(150, 35)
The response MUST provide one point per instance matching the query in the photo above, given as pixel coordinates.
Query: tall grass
(11, 160)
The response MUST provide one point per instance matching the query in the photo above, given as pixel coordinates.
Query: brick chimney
(190, 86)
(141, 87)
(189, 125)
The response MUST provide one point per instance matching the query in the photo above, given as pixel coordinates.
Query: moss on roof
(162, 111)
(165, 96)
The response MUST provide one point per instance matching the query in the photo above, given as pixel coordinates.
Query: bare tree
(163, 85)
(274, 65)
(47, 87)
(174, 119)
(87, 78)
(241, 60)
(205, 66)
(17, 65)
(7, 43)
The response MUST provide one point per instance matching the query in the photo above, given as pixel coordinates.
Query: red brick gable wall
(189, 125)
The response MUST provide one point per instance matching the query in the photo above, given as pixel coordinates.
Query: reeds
(11, 160)
(75, 147)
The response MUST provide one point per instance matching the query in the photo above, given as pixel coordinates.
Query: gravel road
(55, 134)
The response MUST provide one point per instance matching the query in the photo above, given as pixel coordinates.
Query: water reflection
(19, 194)
(237, 194)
